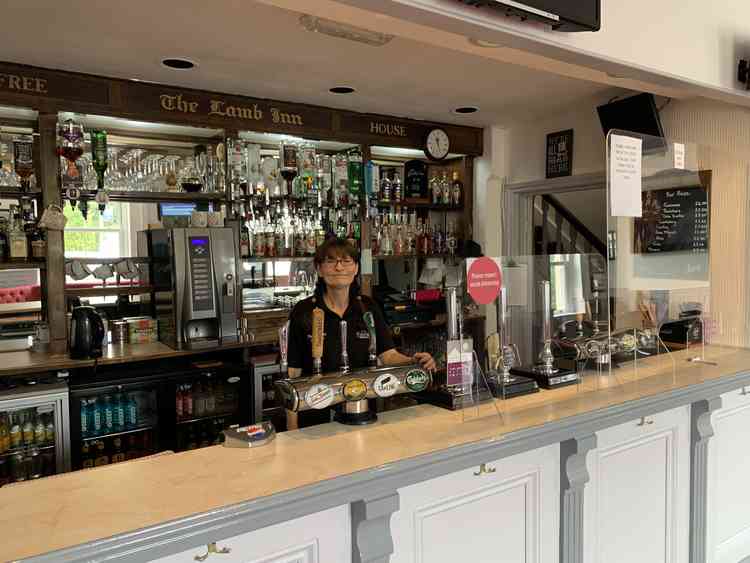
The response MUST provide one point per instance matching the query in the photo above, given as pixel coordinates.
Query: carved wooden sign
(43, 83)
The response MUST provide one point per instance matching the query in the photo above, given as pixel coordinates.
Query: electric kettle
(86, 333)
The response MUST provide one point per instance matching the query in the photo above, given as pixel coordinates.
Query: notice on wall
(625, 176)
(679, 156)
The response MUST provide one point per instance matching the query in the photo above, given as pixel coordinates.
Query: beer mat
(251, 436)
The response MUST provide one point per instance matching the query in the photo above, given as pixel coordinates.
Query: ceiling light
(344, 31)
(178, 63)
(341, 90)
(484, 43)
(464, 110)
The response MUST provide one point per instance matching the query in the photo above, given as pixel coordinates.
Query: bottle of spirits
(23, 161)
(288, 164)
(385, 189)
(99, 160)
(355, 172)
(244, 240)
(457, 189)
(386, 244)
(450, 239)
(17, 240)
(445, 189)
(397, 188)
(436, 190)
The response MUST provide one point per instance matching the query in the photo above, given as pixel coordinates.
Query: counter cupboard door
(506, 511)
(637, 503)
(728, 493)
(323, 537)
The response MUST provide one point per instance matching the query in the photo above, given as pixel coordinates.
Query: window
(101, 235)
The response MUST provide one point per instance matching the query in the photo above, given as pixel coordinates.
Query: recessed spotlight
(464, 110)
(341, 90)
(178, 63)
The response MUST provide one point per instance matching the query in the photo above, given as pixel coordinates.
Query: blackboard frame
(704, 183)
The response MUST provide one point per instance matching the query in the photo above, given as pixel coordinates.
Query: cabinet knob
(484, 469)
(211, 550)
(644, 421)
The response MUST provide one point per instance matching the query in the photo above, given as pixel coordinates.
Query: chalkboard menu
(415, 180)
(673, 220)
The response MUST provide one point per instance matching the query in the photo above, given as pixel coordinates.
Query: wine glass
(71, 143)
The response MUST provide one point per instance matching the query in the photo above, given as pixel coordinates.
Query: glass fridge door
(34, 433)
(114, 423)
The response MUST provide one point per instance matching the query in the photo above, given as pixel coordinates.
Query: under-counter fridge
(127, 412)
(34, 429)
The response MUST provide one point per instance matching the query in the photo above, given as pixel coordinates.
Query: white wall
(723, 131)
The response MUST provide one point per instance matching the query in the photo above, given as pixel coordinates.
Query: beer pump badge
(319, 396)
(354, 390)
(417, 380)
(385, 385)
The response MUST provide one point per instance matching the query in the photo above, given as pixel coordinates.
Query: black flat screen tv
(637, 114)
(572, 15)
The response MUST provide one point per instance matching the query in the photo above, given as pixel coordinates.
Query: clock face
(438, 144)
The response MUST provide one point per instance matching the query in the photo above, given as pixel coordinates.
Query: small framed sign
(560, 154)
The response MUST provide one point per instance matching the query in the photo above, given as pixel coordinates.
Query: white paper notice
(625, 176)
(679, 156)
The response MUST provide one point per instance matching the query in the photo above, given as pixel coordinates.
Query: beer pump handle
(284, 347)
(546, 310)
(344, 350)
(317, 340)
(373, 348)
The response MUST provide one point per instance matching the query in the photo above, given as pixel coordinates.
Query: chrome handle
(212, 549)
(644, 421)
(484, 469)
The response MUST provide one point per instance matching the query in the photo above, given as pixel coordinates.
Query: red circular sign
(484, 280)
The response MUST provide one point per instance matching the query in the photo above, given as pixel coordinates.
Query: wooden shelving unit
(160, 197)
(26, 265)
(419, 205)
(109, 290)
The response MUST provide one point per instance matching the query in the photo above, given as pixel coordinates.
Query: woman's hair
(335, 248)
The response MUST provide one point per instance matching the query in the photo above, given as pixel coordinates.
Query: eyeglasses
(346, 262)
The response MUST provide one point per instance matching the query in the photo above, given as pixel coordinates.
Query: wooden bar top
(27, 361)
(83, 506)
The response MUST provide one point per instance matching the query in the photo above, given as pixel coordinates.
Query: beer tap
(283, 348)
(546, 358)
(344, 351)
(595, 298)
(373, 348)
(507, 355)
(317, 340)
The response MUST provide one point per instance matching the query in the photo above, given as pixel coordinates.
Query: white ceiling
(249, 48)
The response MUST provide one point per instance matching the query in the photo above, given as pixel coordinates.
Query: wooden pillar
(54, 275)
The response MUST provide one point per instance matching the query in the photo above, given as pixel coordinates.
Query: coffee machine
(195, 295)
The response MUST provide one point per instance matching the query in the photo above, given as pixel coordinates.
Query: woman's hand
(425, 360)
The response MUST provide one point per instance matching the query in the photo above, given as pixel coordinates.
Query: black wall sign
(673, 220)
(560, 154)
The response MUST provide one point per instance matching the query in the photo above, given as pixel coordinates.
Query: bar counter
(86, 506)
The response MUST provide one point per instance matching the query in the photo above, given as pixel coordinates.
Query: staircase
(558, 231)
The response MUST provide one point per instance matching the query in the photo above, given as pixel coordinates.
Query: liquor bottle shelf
(157, 197)
(120, 432)
(420, 205)
(25, 265)
(412, 256)
(9, 193)
(26, 448)
(108, 290)
(207, 417)
(278, 259)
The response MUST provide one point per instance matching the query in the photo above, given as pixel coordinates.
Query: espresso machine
(347, 389)
(194, 274)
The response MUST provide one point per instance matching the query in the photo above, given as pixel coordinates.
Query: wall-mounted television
(637, 114)
(562, 15)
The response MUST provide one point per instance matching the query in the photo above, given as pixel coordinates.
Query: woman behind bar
(337, 294)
